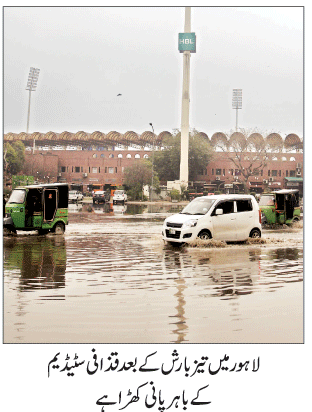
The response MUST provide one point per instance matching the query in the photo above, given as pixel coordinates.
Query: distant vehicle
(75, 196)
(57, 148)
(221, 217)
(280, 206)
(71, 148)
(120, 196)
(37, 207)
(101, 196)
(119, 209)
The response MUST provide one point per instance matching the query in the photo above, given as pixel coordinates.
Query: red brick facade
(222, 171)
(86, 169)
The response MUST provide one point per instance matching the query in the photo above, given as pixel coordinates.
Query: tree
(167, 161)
(248, 152)
(137, 176)
(13, 158)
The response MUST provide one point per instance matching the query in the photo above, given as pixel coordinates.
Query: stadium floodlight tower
(187, 45)
(31, 87)
(151, 196)
(237, 101)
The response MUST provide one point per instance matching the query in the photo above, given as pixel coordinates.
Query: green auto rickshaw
(280, 206)
(41, 207)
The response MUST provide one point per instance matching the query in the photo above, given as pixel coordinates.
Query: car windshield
(99, 193)
(267, 200)
(118, 192)
(72, 192)
(17, 196)
(198, 206)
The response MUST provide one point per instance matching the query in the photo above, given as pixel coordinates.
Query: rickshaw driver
(33, 206)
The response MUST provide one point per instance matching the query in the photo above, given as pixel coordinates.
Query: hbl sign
(187, 42)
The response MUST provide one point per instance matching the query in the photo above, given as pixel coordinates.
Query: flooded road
(111, 279)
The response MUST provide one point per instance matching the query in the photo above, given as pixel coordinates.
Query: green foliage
(13, 157)
(138, 175)
(167, 161)
(22, 180)
(175, 194)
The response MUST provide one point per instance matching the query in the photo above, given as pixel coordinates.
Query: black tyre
(8, 231)
(59, 228)
(204, 235)
(255, 234)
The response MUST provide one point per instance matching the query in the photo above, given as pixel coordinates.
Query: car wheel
(296, 219)
(204, 235)
(255, 234)
(59, 228)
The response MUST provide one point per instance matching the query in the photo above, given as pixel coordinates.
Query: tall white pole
(151, 197)
(28, 112)
(236, 117)
(31, 86)
(185, 122)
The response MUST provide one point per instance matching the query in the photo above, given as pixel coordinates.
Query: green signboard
(187, 42)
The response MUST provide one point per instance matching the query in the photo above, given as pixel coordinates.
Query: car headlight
(190, 223)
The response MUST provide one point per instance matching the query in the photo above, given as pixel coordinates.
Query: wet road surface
(111, 279)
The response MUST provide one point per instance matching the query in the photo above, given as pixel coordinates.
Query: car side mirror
(219, 212)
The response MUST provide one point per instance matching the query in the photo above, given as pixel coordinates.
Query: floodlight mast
(185, 118)
(31, 87)
(237, 100)
(151, 197)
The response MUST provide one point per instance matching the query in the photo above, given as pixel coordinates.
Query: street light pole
(31, 86)
(152, 163)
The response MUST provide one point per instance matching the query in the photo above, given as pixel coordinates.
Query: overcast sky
(87, 56)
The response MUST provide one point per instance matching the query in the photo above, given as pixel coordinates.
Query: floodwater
(111, 279)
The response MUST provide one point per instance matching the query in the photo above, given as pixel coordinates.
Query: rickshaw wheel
(59, 228)
(9, 231)
(255, 234)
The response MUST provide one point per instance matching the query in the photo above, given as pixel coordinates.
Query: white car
(221, 217)
(75, 196)
(120, 196)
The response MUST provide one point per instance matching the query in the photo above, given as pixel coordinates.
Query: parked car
(75, 196)
(120, 196)
(101, 196)
(221, 217)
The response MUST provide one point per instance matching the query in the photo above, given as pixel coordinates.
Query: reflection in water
(174, 260)
(41, 261)
(123, 209)
(123, 285)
